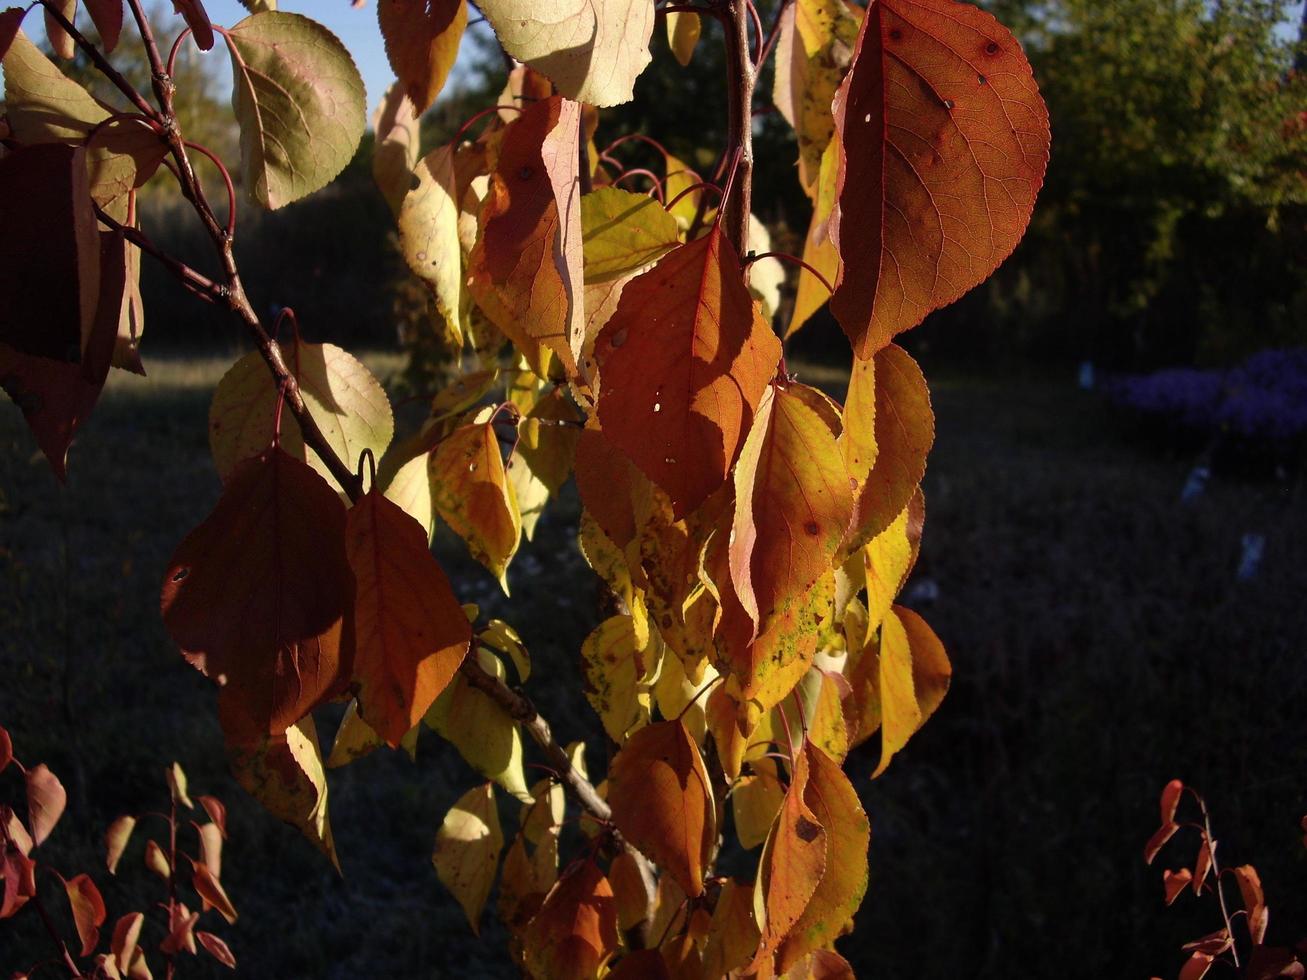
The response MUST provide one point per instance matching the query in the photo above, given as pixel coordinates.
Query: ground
(1100, 640)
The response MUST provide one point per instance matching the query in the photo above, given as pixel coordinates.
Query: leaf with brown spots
(411, 634)
(944, 141)
(422, 38)
(683, 363)
(615, 665)
(662, 801)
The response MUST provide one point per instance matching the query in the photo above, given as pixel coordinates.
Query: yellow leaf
(683, 34)
(395, 153)
(623, 233)
(467, 850)
(410, 490)
(913, 679)
(428, 235)
(755, 800)
(615, 665)
(354, 738)
(818, 249)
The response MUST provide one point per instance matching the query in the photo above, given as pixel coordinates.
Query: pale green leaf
(623, 233)
(467, 850)
(410, 489)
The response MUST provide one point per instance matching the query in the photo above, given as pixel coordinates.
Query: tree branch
(101, 62)
(740, 79)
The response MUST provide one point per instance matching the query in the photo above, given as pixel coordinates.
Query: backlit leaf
(115, 841)
(346, 401)
(593, 50)
(945, 141)
(614, 666)
(756, 798)
(410, 490)
(422, 38)
(526, 270)
(914, 675)
(733, 934)
(483, 733)
(354, 739)
(107, 16)
(284, 772)
(46, 800)
(575, 931)
(272, 635)
(792, 504)
(623, 233)
(683, 31)
(819, 251)
(467, 850)
(662, 801)
(411, 634)
(395, 154)
(471, 492)
(177, 786)
(88, 911)
(428, 232)
(216, 948)
(126, 937)
(61, 41)
(211, 892)
(885, 561)
(683, 363)
(904, 428)
(831, 796)
(300, 104)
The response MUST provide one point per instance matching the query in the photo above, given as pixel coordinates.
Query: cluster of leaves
(754, 532)
(175, 923)
(1242, 950)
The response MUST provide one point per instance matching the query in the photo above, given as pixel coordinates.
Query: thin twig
(101, 62)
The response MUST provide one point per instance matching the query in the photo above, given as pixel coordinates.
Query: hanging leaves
(274, 632)
(467, 850)
(395, 154)
(593, 50)
(683, 363)
(300, 104)
(88, 911)
(411, 632)
(11, 20)
(575, 931)
(663, 803)
(422, 38)
(525, 270)
(428, 232)
(944, 142)
(683, 31)
(107, 15)
(623, 233)
(756, 798)
(615, 665)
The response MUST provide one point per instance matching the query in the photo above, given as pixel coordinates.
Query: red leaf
(943, 143)
(198, 21)
(44, 189)
(683, 362)
(605, 479)
(1170, 800)
(108, 18)
(46, 800)
(216, 948)
(1196, 967)
(210, 890)
(10, 20)
(662, 801)
(575, 931)
(411, 633)
(19, 872)
(257, 594)
(1254, 901)
(6, 749)
(1160, 836)
(61, 41)
(88, 911)
(126, 936)
(422, 38)
(181, 931)
(1175, 882)
(216, 811)
(1203, 863)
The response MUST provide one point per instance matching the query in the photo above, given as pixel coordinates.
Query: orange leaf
(792, 504)
(662, 802)
(126, 936)
(575, 931)
(631, 890)
(944, 142)
(1175, 882)
(46, 800)
(471, 492)
(843, 883)
(1254, 901)
(216, 948)
(733, 934)
(115, 840)
(899, 410)
(792, 864)
(605, 479)
(683, 362)
(525, 270)
(1160, 836)
(88, 911)
(1203, 863)
(410, 632)
(216, 811)
(422, 39)
(6, 750)
(273, 629)
(1196, 967)
(821, 964)
(1170, 799)
(211, 891)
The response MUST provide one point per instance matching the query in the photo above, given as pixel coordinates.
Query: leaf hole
(948, 103)
(472, 466)
(658, 407)
(180, 574)
(991, 47)
(811, 527)
(982, 79)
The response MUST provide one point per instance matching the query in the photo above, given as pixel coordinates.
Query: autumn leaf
(683, 31)
(683, 363)
(395, 153)
(471, 492)
(831, 797)
(428, 233)
(526, 269)
(914, 675)
(348, 404)
(593, 51)
(944, 141)
(115, 841)
(11, 20)
(662, 801)
(88, 910)
(46, 800)
(274, 634)
(467, 850)
(197, 19)
(792, 504)
(791, 867)
(284, 773)
(891, 398)
(211, 892)
(217, 948)
(61, 42)
(615, 666)
(756, 798)
(575, 931)
(411, 634)
(300, 104)
(422, 38)
(732, 934)
(126, 937)
(623, 233)
(107, 15)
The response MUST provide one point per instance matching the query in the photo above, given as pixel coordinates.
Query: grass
(1101, 645)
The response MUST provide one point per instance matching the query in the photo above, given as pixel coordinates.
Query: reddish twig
(753, 257)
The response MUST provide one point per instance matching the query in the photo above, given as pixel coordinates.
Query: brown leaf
(575, 931)
(422, 38)
(273, 634)
(216, 811)
(733, 934)
(1203, 863)
(216, 948)
(126, 937)
(662, 801)
(411, 634)
(1170, 800)
(88, 911)
(944, 143)
(211, 891)
(46, 800)
(641, 964)
(19, 874)
(525, 270)
(115, 841)
(1254, 901)
(683, 363)
(471, 492)
(107, 15)
(631, 891)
